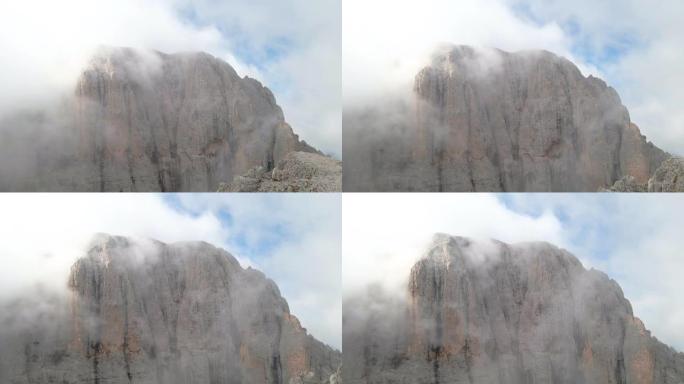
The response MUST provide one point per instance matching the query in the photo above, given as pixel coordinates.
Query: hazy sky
(632, 44)
(292, 46)
(635, 239)
(293, 238)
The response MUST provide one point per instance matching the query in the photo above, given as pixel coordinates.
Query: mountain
(489, 120)
(149, 312)
(148, 121)
(490, 312)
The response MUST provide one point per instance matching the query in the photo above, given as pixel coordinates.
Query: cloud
(291, 46)
(385, 234)
(44, 234)
(386, 42)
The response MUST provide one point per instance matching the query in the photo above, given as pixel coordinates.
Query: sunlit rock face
(148, 312)
(148, 121)
(489, 120)
(490, 312)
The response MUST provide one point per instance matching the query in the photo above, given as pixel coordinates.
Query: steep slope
(498, 313)
(148, 312)
(489, 120)
(148, 121)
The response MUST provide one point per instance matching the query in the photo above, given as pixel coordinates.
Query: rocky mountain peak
(147, 121)
(484, 119)
(144, 311)
(490, 312)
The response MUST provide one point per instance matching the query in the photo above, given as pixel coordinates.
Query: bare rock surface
(490, 312)
(489, 120)
(297, 172)
(148, 121)
(669, 177)
(148, 312)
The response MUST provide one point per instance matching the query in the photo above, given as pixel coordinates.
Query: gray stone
(297, 172)
(489, 120)
(148, 312)
(669, 177)
(478, 312)
(147, 121)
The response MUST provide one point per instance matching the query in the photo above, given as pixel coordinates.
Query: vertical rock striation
(497, 313)
(148, 312)
(489, 120)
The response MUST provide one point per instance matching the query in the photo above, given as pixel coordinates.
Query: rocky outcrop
(297, 172)
(148, 312)
(148, 121)
(489, 312)
(669, 177)
(489, 120)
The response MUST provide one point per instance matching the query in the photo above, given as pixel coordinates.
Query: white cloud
(43, 235)
(385, 42)
(44, 44)
(385, 234)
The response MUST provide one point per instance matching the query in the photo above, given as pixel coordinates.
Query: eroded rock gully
(494, 313)
(148, 312)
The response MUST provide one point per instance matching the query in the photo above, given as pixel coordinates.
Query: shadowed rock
(489, 120)
(148, 312)
(494, 313)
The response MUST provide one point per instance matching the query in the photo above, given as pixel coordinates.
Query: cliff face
(158, 313)
(488, 120)
(499, 313)
(147, 121)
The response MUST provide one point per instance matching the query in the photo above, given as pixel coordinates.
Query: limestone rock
(490, 312)
(669, 177)
(489, 120)
(626, 184)
(297, 172)
(148, 312)
(148, 121)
